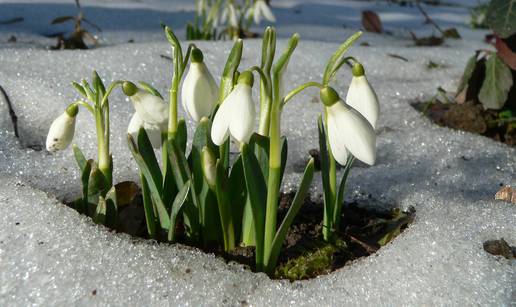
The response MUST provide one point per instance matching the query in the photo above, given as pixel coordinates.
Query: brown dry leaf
(126, 191)
(371, 22)
(507, 194)
(505, 53)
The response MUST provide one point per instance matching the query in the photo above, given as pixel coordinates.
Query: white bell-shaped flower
(62, 129)
(362, 97)
(236, 114)
(229, 14)
(348, 130)
(153, 131)
(262, 10)
(200, 92)
(151, 109)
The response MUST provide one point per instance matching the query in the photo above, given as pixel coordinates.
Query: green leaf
(232, 63)
(260, 146)
(79, 89)
(257, 193)
(79, 157)
(284, 156)
(497, 83)
(82, 205)
(299, 199)
(337, 57)
(154, 186)
(178, 203)
(237, 194)
(111, 208)
(501, 17)
(337, 212)
(468, 71)
(149, 88)
(150, 214)
(268, 49)
(97, 184)
(146, 150)
(99, 217)
(325, 171)
(281, 65)
(181, 135)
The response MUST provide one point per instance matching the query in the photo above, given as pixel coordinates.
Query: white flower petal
(348, 129)
(61, 132)
(233, 19)
(265, 10)
(151, 109)
(221, 120)
(243, 121)
(199, 92)
(153, 131)
(362, 98)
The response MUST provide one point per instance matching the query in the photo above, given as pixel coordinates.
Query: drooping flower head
(260, 10)
(348, 130)
(150, 108)
(153, 131)
(237, 113)
(62, 129)
(361, 95)
(200, 91)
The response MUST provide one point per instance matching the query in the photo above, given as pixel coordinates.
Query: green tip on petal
(72, 110)
(196, 55)
(246, 77)
(129, 88)
(329, 96)
(358, 70)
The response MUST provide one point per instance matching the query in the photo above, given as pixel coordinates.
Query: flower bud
(209, 167)
(362, 97)
(62, 129)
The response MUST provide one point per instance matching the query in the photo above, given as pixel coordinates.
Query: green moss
(312, 263)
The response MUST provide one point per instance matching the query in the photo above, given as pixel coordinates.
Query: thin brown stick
(12, 114)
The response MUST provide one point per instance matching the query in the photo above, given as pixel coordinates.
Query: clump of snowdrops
(218, 200)
(218, 19)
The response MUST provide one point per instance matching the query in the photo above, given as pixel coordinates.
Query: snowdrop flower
(200, 91)
(229, 12)
(61, 131)
(151, 109)
(348, 130)
(362, 97)
(153, 131)
(236, 113)
(261, 9)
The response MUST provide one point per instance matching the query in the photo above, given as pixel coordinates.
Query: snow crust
(51, 255)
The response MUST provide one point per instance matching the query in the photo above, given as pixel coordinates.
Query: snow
(50, 255)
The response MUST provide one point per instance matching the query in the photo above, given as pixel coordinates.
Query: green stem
(329, 209)
(103, 151)
(111, 87)
(273, 184)
(299, 89)
(265, 100)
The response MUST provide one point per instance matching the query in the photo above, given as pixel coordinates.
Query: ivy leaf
(501, 17)
(496, 86)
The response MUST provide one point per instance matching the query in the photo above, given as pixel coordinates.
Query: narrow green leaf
(111, 208)
(232, 63)
(225, 211)
(281, 65)
(79, 157)
(181, 135)
(99, 216)
(260, 146)
(340, 194)
(146, 150)
(178, 203)
(257, 192)
(497, 83)
(237, 195)
(82, 206)
(299, 199)
(150, 89)
(284, 156)
(154, 186)
(150, 215)
(336, 58)
(79, 89)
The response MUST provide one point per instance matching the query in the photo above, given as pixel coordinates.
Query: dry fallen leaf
(371, 22)
(507, 194)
